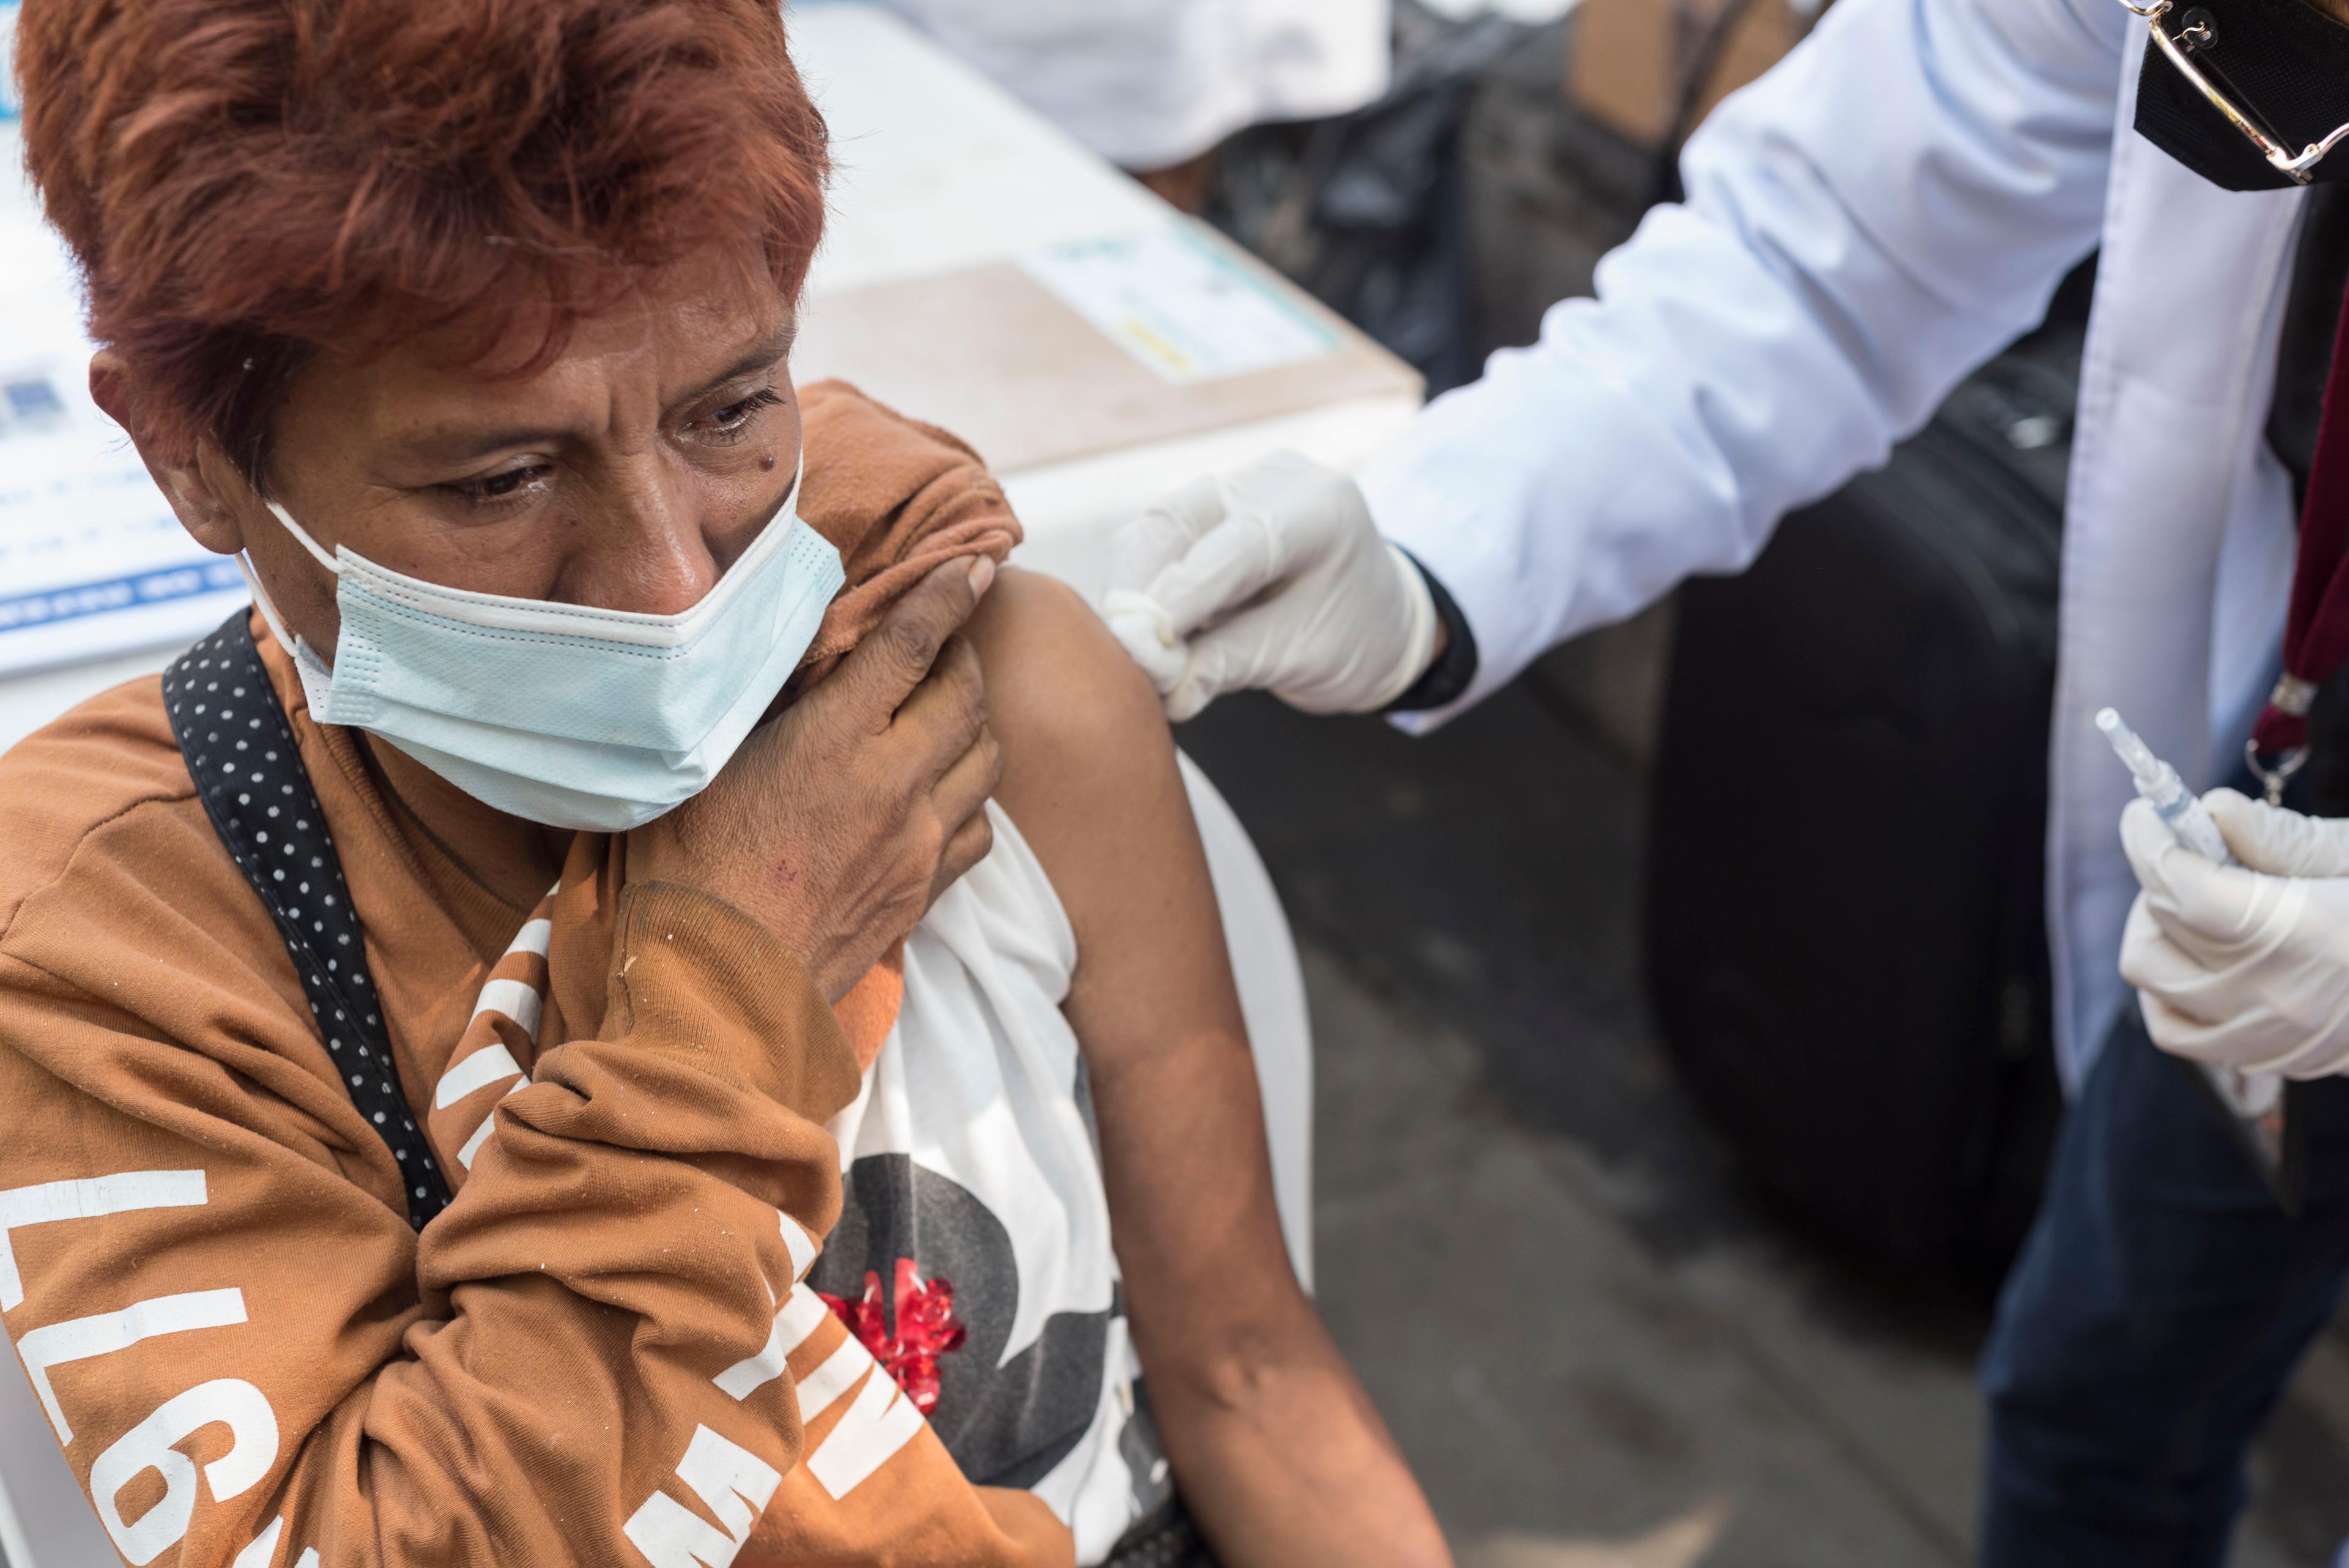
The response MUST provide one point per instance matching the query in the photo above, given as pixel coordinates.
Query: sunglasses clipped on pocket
(2253, 95)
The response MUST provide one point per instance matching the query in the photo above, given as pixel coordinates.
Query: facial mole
(768, 460)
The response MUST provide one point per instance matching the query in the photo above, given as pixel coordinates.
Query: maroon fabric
(2316, 632)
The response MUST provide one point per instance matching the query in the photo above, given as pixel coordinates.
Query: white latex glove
(1271, 576)
(2245, 965)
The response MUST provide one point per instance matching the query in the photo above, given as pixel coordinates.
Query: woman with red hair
(536, 1045)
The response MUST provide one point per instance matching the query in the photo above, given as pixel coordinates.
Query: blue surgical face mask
(588, 718)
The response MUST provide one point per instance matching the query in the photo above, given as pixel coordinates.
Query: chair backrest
(44, 1520)
(1272, 1000)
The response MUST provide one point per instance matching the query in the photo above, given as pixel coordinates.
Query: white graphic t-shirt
(973, 1253)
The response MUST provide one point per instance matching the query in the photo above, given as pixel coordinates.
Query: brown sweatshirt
(600, 1352)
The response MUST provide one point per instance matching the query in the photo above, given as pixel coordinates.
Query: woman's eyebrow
(465, 445)
(771, 349)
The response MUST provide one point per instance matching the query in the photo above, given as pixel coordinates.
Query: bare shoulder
(1089, 769)
(1074, 716)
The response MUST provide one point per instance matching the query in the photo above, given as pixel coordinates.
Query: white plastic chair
(45, 1520)
(1272, 1000)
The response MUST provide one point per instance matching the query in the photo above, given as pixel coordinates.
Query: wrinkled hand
(839, 822)
(2245, 965)
(1271, 576)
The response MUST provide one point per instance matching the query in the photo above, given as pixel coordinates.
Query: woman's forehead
(701, 304)
(668, 337)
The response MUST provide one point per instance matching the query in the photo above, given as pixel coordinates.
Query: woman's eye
(502, 486)
(735, 420)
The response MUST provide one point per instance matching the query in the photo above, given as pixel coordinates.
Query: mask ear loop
(261, 601)
(291, 644)
(308, 543)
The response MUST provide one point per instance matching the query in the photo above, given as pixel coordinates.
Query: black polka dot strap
(240, 752)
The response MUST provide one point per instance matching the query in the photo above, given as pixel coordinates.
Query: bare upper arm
(1089, 776)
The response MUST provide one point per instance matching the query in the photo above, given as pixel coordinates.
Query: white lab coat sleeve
(1865, 225)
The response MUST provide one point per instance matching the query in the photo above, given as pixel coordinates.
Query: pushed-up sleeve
(600, 1353)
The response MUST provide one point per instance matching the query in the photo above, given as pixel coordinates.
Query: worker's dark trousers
(2154, 1315)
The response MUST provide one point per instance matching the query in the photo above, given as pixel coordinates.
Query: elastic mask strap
(308, 543)
(312, 669)
(261, 599)
(317, 679)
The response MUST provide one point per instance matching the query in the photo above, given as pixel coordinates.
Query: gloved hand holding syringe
(2249, 1095)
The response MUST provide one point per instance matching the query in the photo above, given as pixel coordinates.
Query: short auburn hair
(245, 183)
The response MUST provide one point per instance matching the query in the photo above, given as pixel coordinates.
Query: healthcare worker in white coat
(1877, 217)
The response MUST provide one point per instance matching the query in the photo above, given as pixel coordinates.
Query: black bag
(1846, 936)
(1363, 210)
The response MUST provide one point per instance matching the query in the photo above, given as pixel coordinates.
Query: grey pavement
(1597, 1347)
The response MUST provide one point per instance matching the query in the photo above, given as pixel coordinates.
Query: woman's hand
(1276, 1449)
(840, 821)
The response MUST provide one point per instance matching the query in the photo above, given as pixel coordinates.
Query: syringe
(2249, 1095)
(2163, 790)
